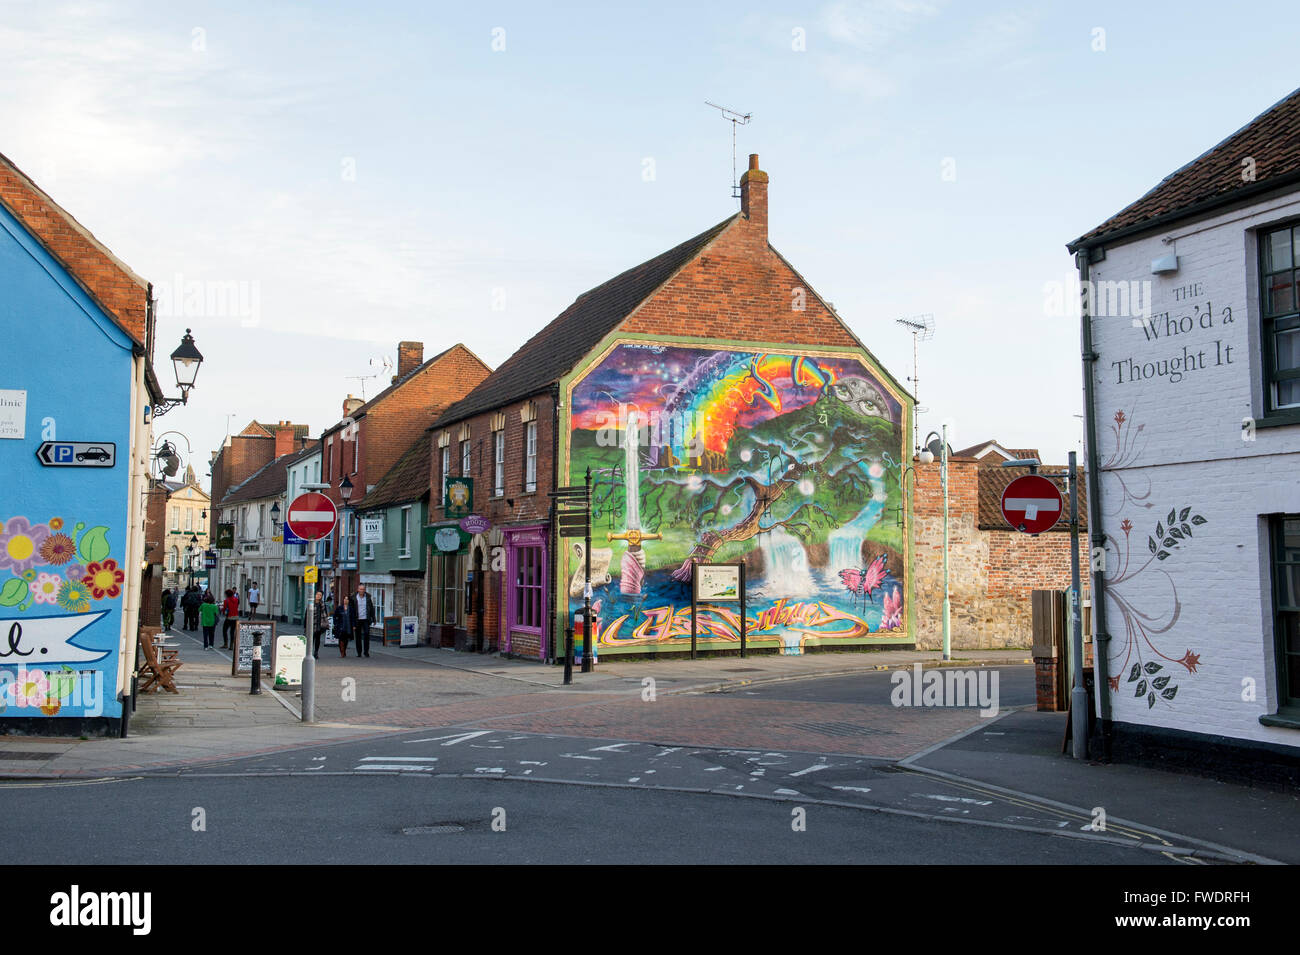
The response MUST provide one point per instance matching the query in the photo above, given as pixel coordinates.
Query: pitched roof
(550, 354)
(268, 480)
(1271, 140)
(365, 408)
(407, 480)
(119, 292)
(993, 481)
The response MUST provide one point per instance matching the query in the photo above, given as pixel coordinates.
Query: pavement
(720, 703)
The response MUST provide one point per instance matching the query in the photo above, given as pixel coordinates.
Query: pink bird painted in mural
(865, 582)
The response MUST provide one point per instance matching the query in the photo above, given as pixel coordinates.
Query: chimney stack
(350, 405)
(284, 439)
(410, 356)
(753, 195)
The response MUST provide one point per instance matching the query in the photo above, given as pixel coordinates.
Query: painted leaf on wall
(1153, 667)
(1162, 555)
(13, 592)
(1151, 543)
(1182, 515)
(1141, 687)
(1168, 694)
(1151, 700)
(1134, 673)
(1173, 517)
(1197, 519)
(1160, 682)
(93, 545)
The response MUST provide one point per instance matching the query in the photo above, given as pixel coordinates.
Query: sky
(308, 184)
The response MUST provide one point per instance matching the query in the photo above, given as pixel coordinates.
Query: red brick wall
(739, 289)
(236, 461)
(515, 506)
(991, 572)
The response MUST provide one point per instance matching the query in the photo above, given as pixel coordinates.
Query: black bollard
(256, 689)
(568, 656)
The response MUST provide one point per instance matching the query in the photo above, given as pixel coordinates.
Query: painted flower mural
(46, 588)
(20, 544)
(43, 559)
(104, 580)
(789, 463)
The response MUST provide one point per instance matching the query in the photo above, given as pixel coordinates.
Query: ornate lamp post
(927, 457)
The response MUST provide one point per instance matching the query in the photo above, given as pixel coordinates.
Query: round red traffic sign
(312, 516)
(1031, 504)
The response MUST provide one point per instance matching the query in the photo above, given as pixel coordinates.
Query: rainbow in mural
(789, 462)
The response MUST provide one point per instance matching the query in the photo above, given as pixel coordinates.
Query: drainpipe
(1096, 533)
(552, 544)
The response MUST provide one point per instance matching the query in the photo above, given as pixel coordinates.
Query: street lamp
(275, 515)
(185, 360)
(927, 457)
(193, 551)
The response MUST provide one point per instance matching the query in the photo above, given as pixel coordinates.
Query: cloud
(872, 25)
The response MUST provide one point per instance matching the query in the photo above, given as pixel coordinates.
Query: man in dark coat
(361, 614)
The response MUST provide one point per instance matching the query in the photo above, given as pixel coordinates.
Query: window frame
(499, 463)
(466, 462)
(405, 533)
(530, 457)
(1270, 320)
(1288, 697)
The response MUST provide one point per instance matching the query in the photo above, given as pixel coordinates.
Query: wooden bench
(157, 672)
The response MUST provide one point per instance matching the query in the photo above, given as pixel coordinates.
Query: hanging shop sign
(372, 529)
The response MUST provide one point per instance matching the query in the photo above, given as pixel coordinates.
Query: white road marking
(578, 756)
(788, 792)
(400, 759)
(611, 748)
(713, 769)
(972, 802)
(488, 769)
(852, 789)
(400, 767)
(454, 738)
(530, 762)
(812, 769)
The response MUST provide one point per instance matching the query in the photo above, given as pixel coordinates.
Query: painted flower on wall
(104, 579)
(30, 689)
(20, 544)
(74, 596)
(75, 572)
(46, 588)
(58, 549)
(892, 618)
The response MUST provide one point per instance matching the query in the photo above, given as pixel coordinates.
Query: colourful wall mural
(789, 462)
(64, 571)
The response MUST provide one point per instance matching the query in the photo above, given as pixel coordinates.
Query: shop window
(527, 597)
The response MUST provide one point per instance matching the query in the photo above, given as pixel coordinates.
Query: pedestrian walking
(254, 598)
(208, 618)
(168, 609)
(361, 614)
(231, 607)
(190, 604)
(342, 628)
(319, 622)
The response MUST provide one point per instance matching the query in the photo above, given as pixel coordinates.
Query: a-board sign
(392, 631)
(327, 639)
(290, 649)
(717, 583)
(245, 630)
(410, 631)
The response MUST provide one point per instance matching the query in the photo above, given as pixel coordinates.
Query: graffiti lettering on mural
(783, 461)
(1176, 365)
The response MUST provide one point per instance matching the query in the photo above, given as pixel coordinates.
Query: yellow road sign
(309, 575)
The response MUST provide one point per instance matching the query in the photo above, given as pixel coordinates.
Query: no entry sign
(1031, 504)
(312, 516)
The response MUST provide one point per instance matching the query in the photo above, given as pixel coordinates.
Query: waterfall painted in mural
(787, 462)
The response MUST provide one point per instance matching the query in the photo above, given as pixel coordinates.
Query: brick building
(372, 435)
(1191, 334)
(992, 569)
(727, 414)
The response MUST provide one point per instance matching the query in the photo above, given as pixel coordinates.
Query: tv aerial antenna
(379, 366)
(736, 119)
(922, 329)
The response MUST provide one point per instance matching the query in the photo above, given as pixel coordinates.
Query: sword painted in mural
(633, 564)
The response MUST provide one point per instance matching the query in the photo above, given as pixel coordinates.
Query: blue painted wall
(63, 531)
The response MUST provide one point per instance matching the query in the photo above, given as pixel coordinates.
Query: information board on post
(718, 583)
(242, 660)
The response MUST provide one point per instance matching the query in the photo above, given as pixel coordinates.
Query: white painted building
(1192, 301)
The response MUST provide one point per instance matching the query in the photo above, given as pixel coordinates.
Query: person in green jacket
(208, 620)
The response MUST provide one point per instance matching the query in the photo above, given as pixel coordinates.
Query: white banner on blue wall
(46, 641)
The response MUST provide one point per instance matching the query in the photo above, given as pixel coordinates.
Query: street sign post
(1031, 504)
(77, 454)
(312, 516)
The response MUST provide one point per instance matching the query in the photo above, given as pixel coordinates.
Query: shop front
(525, 622)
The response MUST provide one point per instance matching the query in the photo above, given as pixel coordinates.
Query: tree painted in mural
(788, 462)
